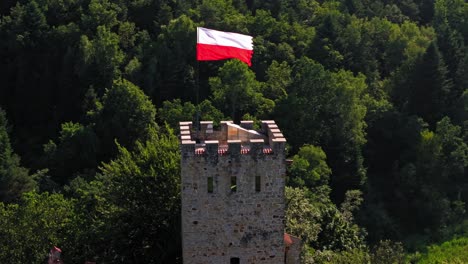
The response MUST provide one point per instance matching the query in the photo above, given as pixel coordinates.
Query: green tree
(354, 255)
(74, 153)
(452, 48)
(461, 108)
(100, 58)
(352, 202)
(14, 179)
(236, 91)
(453, 159)
(209, 112)
(429, 87)
(126, 115)
(302, 216)
(173, 68)
(30, 228)
(388, 252)
(452, 251)
(137, 203)
(324, 48)
(326, 109)
(220, 14)
(173, 112)
(309, 168)
(428, 176)
(27, 69)
(100, 13)
(278, 79)
(29, 24)
(426, 9)
(324, 230)
(449, 12)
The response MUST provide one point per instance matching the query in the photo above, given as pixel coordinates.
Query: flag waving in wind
(219, 45)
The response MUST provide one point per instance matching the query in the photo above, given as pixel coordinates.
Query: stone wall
(247, 223)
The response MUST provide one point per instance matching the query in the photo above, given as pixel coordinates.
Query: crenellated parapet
(231, 139)
(232, 192)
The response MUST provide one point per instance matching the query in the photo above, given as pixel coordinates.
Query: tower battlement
(232, 190)
(231, 139)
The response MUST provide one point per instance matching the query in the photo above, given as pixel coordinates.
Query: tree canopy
(371, 96)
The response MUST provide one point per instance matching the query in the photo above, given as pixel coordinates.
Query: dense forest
(372, 97)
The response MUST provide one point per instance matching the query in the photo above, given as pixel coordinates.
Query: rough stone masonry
(232, 193)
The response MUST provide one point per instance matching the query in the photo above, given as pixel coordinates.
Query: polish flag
(219, 45)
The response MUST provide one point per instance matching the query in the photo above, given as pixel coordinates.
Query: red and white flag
(219, 45)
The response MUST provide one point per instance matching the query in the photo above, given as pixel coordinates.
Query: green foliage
(302, 215)
(101, 57)
(29, 24)
(442, 157)
(352, 202)
(418, 182)
(453, 251)
(170, 72)
(127, 115)
(326, 232)
(74, 152)
(337, 233)
(388, 252)
(134, 206)
(100, 13)
(309, 168)
(220, 14)
(236, 92)
(209, 112)
(174, 112)
(451, 38)
(371, 96)
(14, 179)
(430, 87)
(326, 109)
(461, 108)
(279, 78)
(30, 229)
(353, 256)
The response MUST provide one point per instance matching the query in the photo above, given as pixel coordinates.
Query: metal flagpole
(197, 99)
(197, 92)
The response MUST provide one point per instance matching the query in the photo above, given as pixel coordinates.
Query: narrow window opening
(235, 260)
(258, 184)
(210, 184)
(233, 184)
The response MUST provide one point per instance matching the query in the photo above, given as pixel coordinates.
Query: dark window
(233, 184)
(235, 261)
(210, 184)
(258, 183)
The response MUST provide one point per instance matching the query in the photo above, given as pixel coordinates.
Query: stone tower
(232, 193)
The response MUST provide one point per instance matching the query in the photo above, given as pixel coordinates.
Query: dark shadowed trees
(14, 179)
